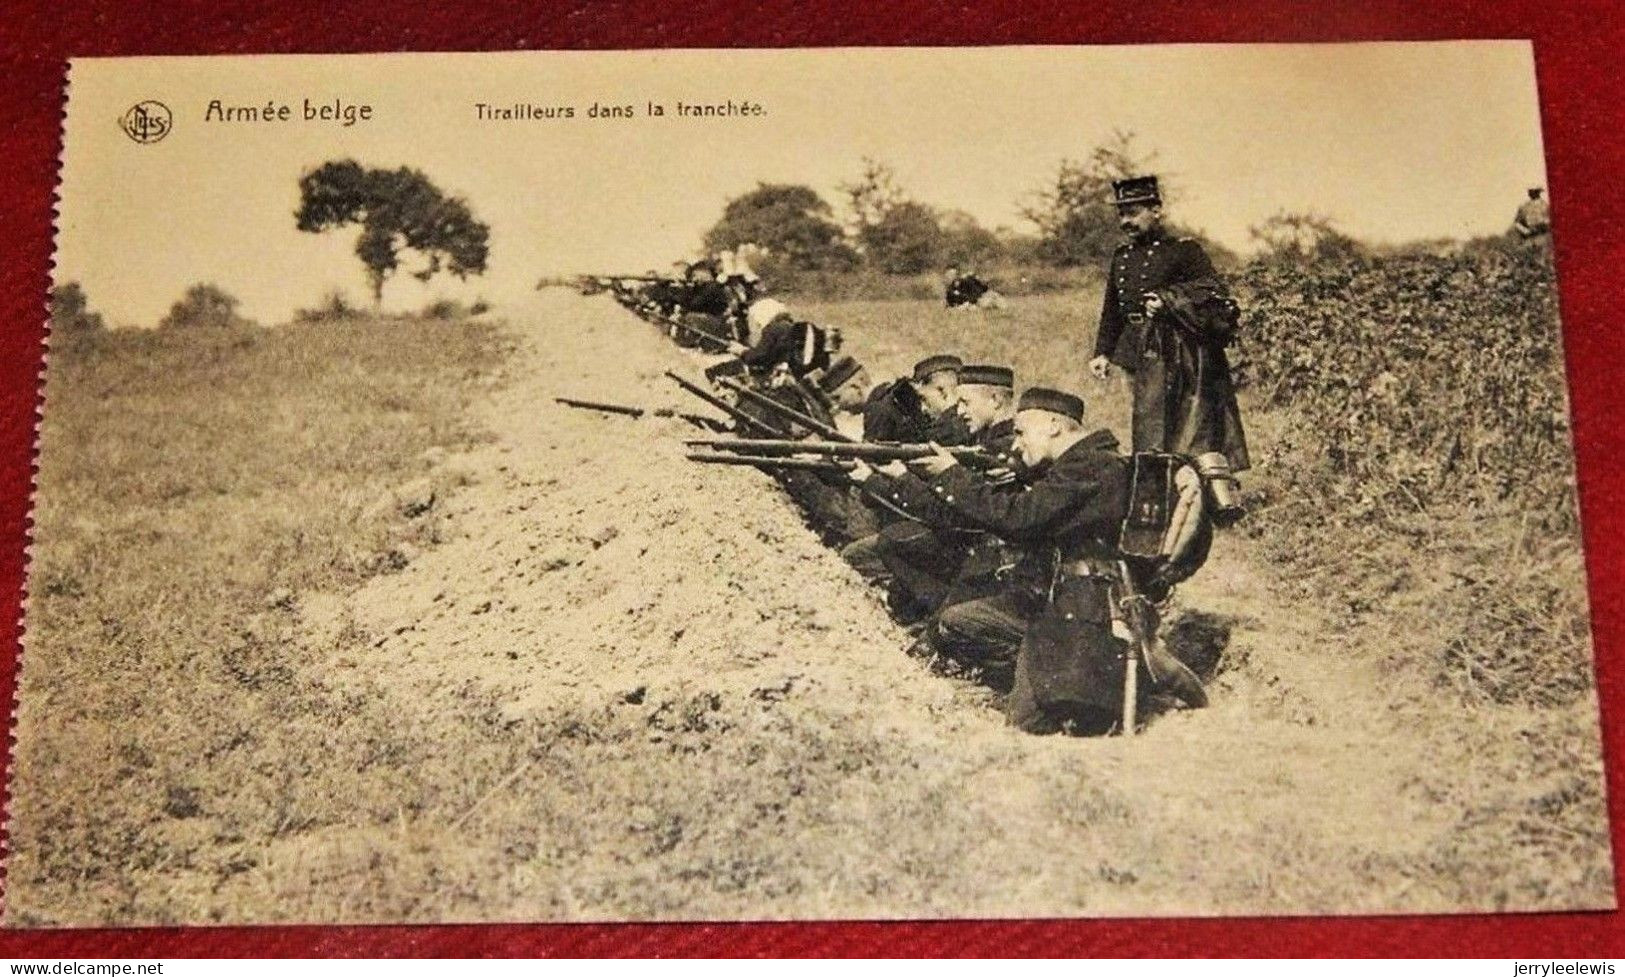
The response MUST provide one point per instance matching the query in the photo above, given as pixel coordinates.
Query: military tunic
(928, 554)
(1068, 662)
(965, 290)
(894, 413)
(1184, 398)
(801, 347)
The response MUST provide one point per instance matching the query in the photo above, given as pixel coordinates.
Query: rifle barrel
(826, 431)
(747, 422)
(606, 408)
(768, 448)
(757, 461)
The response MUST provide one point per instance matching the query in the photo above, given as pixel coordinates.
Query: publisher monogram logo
(147, 122)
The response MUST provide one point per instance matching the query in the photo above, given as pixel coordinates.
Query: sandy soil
(751, 741)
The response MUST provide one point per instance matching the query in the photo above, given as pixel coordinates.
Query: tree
(906, 240)
(967, 244)
(872, 196)
(397, 210)
(1301, 238)
(792, 223)
(1077, 222)
(203, 306)
(70, 312)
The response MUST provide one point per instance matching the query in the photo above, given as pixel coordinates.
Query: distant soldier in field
(1053, 623)
(1534, 218)
(969, 291)
(1167, 318)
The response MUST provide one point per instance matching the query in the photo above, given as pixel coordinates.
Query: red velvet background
(1577, 47)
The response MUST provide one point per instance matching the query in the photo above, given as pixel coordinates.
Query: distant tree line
(889, 232)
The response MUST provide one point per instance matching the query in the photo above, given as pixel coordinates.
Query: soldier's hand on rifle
(736, 348)
(937, 462)
(1153, 303)
(895, 469)
(1101, 367)
(860, 471)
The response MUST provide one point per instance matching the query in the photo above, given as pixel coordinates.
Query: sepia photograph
(848, 483)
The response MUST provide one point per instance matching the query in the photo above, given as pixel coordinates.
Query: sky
(1395, 141)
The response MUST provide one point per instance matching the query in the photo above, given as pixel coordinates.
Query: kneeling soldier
(925, 554)
(1055, 622)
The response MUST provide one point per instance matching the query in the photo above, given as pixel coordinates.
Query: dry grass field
(272, 674)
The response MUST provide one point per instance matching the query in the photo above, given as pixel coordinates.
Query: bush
(1427, 443)
(203, 306)
(70, 312)
(335, 307)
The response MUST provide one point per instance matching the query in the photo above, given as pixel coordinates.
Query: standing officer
(1166, 319)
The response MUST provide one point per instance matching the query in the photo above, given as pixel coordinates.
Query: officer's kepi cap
(1136, 190)
(936, 364)
(987, 375)
(838, 373)
(1054, 401)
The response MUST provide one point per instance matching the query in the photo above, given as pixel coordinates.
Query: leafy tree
(967, 244)
(1301, 238)
(397, 210)
(872, 196)
(906, 240)
(792, 223)
(203, 306)
(70, 312)
(1077, 222)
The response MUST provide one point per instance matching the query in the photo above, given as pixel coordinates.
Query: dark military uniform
(799, 346)
(1055, 619)
(965, 290)
(894, 412)
(926, 554)
(705, 308)
(1184, 399)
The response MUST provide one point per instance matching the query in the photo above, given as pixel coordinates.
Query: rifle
(825, 431)
(766, 463)
(606, 408)
(702, 333)
(746, 422)
(698, 420)
(866, 451)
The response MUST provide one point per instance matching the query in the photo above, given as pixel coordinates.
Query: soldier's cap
(1054, 401)
(838, 373)
(1136, 190)
(992, 376)
(936, 364)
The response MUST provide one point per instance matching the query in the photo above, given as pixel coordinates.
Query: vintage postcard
(805, 484)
